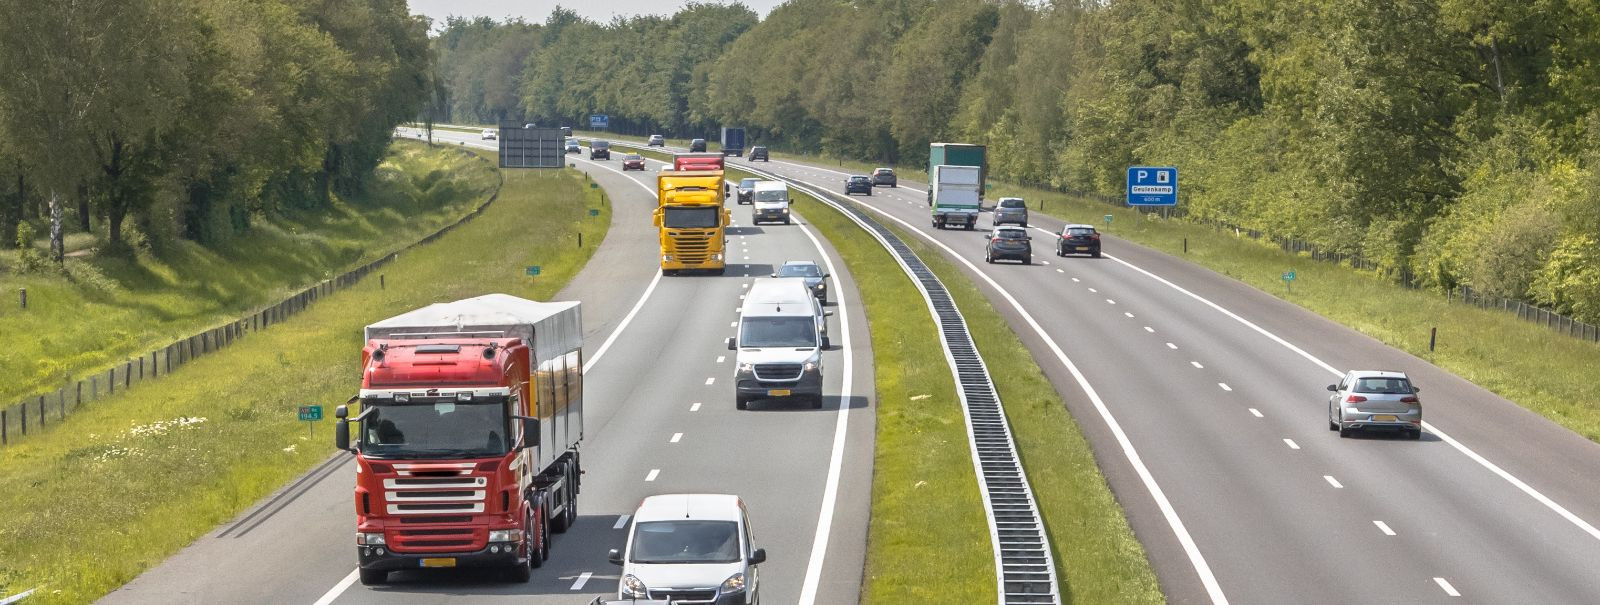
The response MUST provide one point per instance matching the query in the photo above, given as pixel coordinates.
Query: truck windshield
(686, 541)
(772, 196)
(790, 331)
(690, 218)
(443, 429)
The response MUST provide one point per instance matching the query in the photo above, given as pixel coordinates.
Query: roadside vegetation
(923, 478)
(169, 460)
(101, 309)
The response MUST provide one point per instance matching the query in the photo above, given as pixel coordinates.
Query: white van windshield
(777, 195)
(790, 331)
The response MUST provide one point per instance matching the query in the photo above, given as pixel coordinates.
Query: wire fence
(34, 413)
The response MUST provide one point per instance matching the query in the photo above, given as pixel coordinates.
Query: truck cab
(692, 220)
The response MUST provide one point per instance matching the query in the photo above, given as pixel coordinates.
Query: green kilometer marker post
(310, 414)
(1288, 280)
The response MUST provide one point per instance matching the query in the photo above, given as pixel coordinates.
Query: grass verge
(114, 489)
(923, 459)
(99, 311)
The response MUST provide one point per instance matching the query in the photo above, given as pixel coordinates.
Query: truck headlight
(505, 535)
(734, 584)
(666, 258)
(633, 586)
(363, 539)
(716, 257)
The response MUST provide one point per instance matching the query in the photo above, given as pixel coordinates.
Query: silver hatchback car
(1370, 399)
(1011, 210)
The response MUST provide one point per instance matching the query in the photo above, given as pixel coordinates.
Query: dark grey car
(1011, 211)
(746, 191)
(1009, 243)
(816, 280)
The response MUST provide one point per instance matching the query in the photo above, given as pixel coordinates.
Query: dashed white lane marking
(1256, 412)
(582, 579)
(1045, 262)
(1130, 315)
(1292, 445)
(1110, 302)
(711, 379)
(733, 324)
(722, 358)
(675, 437)
(747, 258)
(655, 472)
(622, 521)
(1074, 279)
(1383, 527)
(1197, 365)
(1448, 589)
(745, 285)
(741, 297)
(1224, 386)
(1150, 329)
(1334, 482)
(1172, 346)
(1094, 290)
(695, 407)
(1060, 271)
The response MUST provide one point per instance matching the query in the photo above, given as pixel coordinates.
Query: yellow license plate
(1383, 418)
(445, 562)
(778, 392)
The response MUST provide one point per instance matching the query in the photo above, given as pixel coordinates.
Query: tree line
(1456, 141)
(145, 121)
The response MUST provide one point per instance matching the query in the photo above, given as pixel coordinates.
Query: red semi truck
(470, 417)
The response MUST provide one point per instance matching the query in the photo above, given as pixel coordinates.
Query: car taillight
(1354, 399)
(1095, 236)
(1408, 400)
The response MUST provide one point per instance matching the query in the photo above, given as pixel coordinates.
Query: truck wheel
(373, 577)
(741, 402)
(537, 538)
(569, 512)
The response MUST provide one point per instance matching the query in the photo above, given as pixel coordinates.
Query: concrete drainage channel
(1023, 561)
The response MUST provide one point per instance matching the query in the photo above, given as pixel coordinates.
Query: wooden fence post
(111, 381)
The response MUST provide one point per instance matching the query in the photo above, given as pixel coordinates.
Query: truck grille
(777, 371)
(431, 489)
(692, 247)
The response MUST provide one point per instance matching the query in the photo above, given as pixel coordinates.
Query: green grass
(105, 310)
(115, 488)
(924, 489)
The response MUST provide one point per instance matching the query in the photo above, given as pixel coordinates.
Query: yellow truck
(692, 221)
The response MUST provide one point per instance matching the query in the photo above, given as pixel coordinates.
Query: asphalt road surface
(1205, 402)
(659, 418)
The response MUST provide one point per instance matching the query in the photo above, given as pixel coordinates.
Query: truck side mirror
(614, 556)
(733, 345)
(530, 433)
(758, 556)
(656, 218)
(341, 429)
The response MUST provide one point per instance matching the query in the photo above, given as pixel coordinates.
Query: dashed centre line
(1130, 315)
(722, 358)
(1290, 442)
(1074, 279)
(1256, 412)
(1172, 346)
(621, 522)
(655, 472)
(1224, 386)
(1383, 527)
(1197, 365)
(582, 579)
(1094, 290)
(711, 379)
(1150, 329)
(1060, 271)
(695, 407)
(1334, 482)
(1109, 301)
(675, 438)
(1448, 589)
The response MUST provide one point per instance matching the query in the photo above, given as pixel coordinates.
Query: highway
(659, 418)
(1204, 400)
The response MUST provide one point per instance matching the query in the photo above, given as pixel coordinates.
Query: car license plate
(778, 392)
(445, 562)
(1080, 247)
(1383, 418)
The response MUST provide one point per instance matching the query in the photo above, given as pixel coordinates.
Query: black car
(884, 176)
(697, 146)
(1009, 242)
(599, 150)
(859, 183)
(746, 191)
(759, 153)
(1078, 239)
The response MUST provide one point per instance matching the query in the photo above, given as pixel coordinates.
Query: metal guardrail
(1024, 565)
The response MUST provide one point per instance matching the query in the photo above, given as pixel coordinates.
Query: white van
(782, 334)
(772, 201)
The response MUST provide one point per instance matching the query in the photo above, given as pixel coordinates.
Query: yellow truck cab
(692, 221)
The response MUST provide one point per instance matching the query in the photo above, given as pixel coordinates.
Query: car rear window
(1011, 234)
(1080, 232)
(1383, 386)
(1012, 204)
(883, 171)
(857, 179)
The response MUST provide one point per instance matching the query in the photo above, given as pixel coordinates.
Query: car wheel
(1345, 432)
(816, 402)
(988, 258)
(826, 343)
(373, 577)
(1333, 425)
(1416, 434)
(1060, 252)
(788, 222)
(1027, 260)
(1095, 254)
(741, 402)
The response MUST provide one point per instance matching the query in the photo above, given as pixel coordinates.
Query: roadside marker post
(310, 414)
(1108, 221)
(1288, 280)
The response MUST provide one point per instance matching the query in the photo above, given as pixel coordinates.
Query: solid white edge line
(333, 593)
(830, 493)
(1383, 527)
(582, 579)
(622, 521)
(1448, 589)
(1168, 512)
(1583, 525)
(626, 319)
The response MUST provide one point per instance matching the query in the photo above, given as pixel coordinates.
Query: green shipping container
(959, 154)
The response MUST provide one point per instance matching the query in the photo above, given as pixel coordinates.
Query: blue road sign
(1152, 186)
(599, 120)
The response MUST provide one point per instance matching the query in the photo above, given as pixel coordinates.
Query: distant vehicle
(633, 161)
(1375, 400)
(566, 131)
(782, 332)
(697, 145)
(572, 147)
(698, 161)
(528, 126)
(955, 197)
(759, 154)
(690, 548)
(732, 141)
(1011, 211)
(490, 133)
(1077, 239)
(815, 279)
(884, 176)
(599, 150)
(858, 183)
(656, 140)
(746, 191)
(1009, 243)
(959, 154)
(771, 199)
